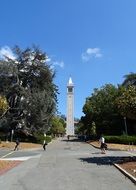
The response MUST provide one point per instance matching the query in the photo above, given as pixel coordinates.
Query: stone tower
(70, 108)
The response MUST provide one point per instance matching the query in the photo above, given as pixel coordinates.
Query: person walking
(17, 144)
(68, 137)
(44, 144)
(102, 142)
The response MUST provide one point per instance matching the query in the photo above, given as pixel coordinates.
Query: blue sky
(93, 41)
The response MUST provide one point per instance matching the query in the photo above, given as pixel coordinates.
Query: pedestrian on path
(17, 144)
(102, 142)
(44, 144)
(68, 137)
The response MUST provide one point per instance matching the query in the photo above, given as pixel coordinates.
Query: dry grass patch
(6, 165)
(130, 167)
(114, 146)
(23, 145)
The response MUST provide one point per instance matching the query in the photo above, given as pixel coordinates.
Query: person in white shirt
(102, 141)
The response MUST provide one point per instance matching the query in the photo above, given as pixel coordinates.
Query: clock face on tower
(70, 89)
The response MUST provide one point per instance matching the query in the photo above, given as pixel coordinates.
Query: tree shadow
(72, 140)
(107, 160)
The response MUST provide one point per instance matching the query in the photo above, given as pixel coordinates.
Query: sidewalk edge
(133, 179)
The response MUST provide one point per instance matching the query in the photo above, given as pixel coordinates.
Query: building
(70, 108)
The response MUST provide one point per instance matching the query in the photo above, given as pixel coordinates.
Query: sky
(91, 41)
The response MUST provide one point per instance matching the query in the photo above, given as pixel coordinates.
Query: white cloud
(54, 63)
(59, 63)
(91, 52)
(6, 52)
(48, 59)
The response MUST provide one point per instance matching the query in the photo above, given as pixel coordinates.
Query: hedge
(124, 139)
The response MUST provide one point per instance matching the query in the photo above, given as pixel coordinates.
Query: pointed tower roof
(70, 83)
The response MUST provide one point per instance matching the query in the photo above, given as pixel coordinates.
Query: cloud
(90, 53)
(48, 59)
(6, 52)
(59, 63)
(54, 63)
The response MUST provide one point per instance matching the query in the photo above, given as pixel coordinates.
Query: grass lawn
(114, 146)
(23, 145)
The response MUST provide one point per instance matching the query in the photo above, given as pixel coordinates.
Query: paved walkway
(67, 166)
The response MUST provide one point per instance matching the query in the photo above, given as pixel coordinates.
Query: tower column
(70, 108)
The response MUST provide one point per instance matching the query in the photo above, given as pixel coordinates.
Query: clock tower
(70, 108)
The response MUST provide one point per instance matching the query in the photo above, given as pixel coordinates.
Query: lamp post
(125, 125)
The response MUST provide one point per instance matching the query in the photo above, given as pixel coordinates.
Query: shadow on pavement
(107, 160)
(72, 140)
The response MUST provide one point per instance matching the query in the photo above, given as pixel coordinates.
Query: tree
(27, 82)
(80, 128)
(101, 108)
(126, 102)
(130, 79)
(57, 126)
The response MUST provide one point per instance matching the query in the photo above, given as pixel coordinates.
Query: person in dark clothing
(44, 145)
(17, 144)
(68, 137)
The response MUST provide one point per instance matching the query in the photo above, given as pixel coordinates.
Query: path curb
(133, 179)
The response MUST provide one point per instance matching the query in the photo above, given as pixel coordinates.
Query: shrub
(123, 139)
(40, 138)
(48, 139)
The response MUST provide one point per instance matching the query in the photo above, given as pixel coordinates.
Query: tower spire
(70, 80)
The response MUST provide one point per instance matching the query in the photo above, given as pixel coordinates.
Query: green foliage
(130, 79)
(126, 102)
(40, 138)
(108, 106)
(48, 139)
(102, 101)
(124, 139)
(80, 128)
(57, 126)
(100, 107)
(27, 83)
(3, 105)
(93, 129)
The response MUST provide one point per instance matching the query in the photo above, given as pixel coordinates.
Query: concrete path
(67, 166)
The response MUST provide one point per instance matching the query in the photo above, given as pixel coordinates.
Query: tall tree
(101, 109)
(29, 88)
